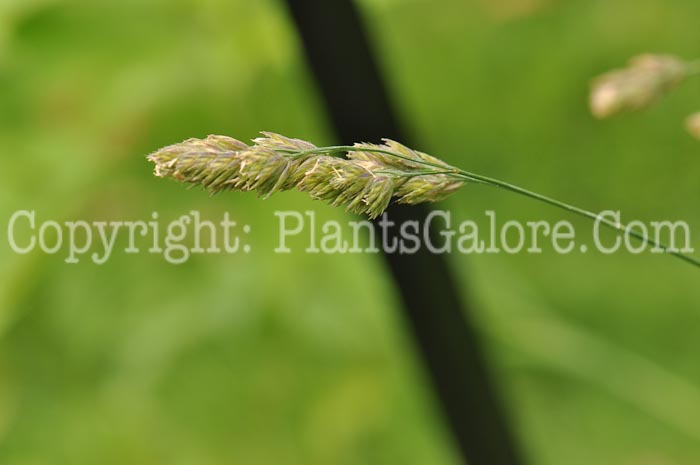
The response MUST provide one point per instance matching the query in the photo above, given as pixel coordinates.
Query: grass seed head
(640, 84)
(692, 124)
(364, 183)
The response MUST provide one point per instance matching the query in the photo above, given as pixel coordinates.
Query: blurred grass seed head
(692, 124)
(639, 85)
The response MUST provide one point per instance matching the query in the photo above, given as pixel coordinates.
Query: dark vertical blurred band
(359, 108)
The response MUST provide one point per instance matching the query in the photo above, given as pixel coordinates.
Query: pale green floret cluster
(364, 183)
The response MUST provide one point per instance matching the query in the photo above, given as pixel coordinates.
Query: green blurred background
(304, 359)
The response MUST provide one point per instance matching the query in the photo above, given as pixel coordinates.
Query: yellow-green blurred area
(264, 358)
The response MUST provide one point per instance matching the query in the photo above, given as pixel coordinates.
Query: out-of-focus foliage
(263, 358)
